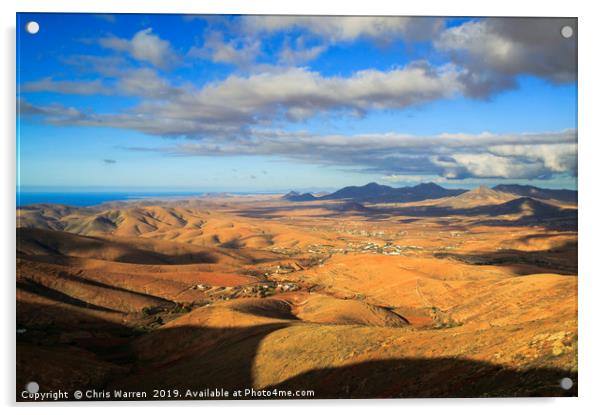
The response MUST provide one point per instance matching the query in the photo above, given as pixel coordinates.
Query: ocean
(92, 198)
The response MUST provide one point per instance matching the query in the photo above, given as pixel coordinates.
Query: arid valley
(471, 294)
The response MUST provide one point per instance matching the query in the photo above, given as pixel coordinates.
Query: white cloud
(300, 53)
(51, 113)
(322, 31)
(142, 82)
(107, 66)
(406, 158)
(477, 165)
(299, 93)
(232, 106)
(348, 28)
(519, 160)
(555, 157)
(239, 52)
(144, 46)
(64, 87)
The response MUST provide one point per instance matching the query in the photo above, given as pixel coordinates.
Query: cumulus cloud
(348, 28)
(108, 66)
(556, 158)
(494, 51)
(233, 105)
(300, 93)
(64, 87)
(300, 53)
(144, 46)
(459, 166)
(50, 113)
(403, 157)
(239, 52)
(142, 82)
(323, 31)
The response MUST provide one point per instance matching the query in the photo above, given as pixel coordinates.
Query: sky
(274, 103)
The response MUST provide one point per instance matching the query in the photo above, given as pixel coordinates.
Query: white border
(590, 232)
(349, 7)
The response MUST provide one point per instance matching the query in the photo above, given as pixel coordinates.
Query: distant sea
(92, 198)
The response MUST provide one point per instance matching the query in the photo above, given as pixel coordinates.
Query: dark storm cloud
(494, 51)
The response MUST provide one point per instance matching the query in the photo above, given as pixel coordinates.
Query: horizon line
(308, 189)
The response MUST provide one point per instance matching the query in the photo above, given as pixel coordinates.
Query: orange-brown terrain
(468, 295)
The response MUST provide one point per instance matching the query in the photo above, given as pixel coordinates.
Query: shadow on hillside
(279, 211)
(566, 222)
(560, 260)
(201, 358)
(430, 378)
(547, 216)
(39, 242)
(230, 363)
(68, 347)
(33, 287)
(97, 284)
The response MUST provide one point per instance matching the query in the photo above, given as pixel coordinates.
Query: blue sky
(269, 103)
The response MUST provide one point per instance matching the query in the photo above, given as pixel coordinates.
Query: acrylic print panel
(295, 207)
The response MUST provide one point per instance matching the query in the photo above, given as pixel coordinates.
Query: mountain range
(562, 195)
(377, 193)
